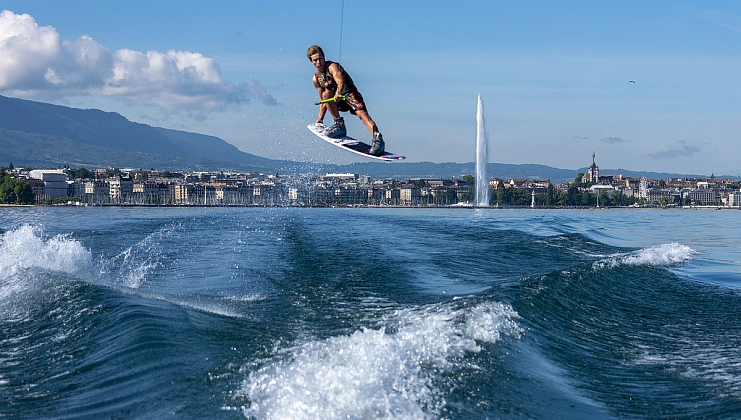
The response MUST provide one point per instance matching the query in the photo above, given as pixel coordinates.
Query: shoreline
(468, 207)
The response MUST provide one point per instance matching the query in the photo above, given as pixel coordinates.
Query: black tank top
(326, 80)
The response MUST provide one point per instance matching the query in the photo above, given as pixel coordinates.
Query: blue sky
(553, 75)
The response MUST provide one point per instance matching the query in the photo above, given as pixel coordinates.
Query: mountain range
(37, 134)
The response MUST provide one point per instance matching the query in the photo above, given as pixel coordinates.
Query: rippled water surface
(369, 313)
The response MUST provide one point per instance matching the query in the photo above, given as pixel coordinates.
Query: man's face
(318, 61)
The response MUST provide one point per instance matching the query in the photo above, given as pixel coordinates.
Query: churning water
(369, 313)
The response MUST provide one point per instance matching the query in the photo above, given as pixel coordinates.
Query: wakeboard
(349, 143)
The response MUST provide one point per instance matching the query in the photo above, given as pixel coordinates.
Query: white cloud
(26, 50)
(35, 63)
(89, 63)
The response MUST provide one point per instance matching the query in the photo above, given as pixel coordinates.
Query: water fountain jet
(481, 198)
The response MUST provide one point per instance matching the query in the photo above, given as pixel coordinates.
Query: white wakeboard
(349, 143)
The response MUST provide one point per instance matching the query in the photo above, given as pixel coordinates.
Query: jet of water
(482, 158)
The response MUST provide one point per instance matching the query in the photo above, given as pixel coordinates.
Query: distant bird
(631, 81)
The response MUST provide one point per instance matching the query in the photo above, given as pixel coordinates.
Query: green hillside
(44, 135)
(37, 134)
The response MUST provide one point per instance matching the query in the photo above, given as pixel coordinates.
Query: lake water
(272, 313)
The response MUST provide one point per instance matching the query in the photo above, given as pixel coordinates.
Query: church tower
(593, 171)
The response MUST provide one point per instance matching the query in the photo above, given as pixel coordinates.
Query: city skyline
(556, 78)
(165, 188)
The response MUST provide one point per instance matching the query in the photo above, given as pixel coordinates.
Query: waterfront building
(121, 188)
(410, 195)
(37, 186)
(654, 195)
(202, 194)
(393, 195)
(262, 193)
(150, 192)
(97, 192)
(349, 195)
(233, 194)
(734, 199)
(55, 182)
(296, 194)
(181, 193)
(376, 195)
(704, 196)
(76, 189)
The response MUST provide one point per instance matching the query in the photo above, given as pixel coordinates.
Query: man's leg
(331, 106)
(367, 120)
(378, 144)
(337, 129)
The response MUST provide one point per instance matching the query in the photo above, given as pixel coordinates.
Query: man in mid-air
(332, 81)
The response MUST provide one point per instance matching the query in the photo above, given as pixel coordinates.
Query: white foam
(245, 298)
(659, 255)
(373, 373)
(25, 249)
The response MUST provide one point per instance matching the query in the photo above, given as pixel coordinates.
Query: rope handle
(324, 101)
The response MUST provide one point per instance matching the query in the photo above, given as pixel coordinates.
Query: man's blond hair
(313, 50)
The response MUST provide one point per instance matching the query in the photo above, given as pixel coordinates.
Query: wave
(393, 372)
(26, 256)
(664, 255)
(31, 262)
(25, 248)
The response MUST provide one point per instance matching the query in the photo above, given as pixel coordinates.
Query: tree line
(14, 191)
(575, 196)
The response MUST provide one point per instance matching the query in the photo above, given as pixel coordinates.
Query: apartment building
(120, 188)
(410, 195)
(55, 182)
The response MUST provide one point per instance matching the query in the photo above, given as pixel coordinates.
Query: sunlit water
(369, 313)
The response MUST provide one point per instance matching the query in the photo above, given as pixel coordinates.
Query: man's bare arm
(334, 70)
(322, 107)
